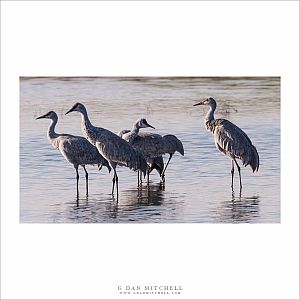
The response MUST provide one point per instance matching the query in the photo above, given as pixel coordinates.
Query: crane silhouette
(154, 163)
(152, 145)
(113, 148)
(75, 149)
(230, 140)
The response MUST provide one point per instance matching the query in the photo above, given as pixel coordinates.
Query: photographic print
(149, 149)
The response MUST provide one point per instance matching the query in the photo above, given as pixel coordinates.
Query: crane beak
(41, 117)
(150, 125)
(70, 110)
(200, 103)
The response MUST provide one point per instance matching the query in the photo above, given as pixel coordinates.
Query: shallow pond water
(197, 187)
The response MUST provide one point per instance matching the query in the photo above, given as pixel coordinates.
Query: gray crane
(230, 140)
(153, 145)
(116, 150)
(75, 149)
(154, 163)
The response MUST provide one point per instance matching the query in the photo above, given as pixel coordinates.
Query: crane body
(113, 148)
(230, 140)
(75, 149)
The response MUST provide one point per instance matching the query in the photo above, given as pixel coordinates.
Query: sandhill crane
(76, 149)
(153, 145)
(230, 140)
(155, 163)
(110, 146)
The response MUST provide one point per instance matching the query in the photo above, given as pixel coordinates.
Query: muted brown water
(197, 185)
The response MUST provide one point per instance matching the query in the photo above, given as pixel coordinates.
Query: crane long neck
(51, 130)
(210, 115)
(52, 135)
(85, 119)
(135, 128)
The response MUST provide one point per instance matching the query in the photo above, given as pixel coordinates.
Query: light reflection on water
(197, 185)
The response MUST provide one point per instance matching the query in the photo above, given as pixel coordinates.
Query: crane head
(142, 123)
(49, 115)
(76, 107)
(209, 101)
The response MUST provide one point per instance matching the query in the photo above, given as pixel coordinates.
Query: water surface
(197, 185)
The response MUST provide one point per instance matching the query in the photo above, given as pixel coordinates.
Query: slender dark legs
(115, 181)
(148, 176)
(163, 179)
(163, 172)
(86, 180)
(239, 169)
(139, 178)
(232, 172)
(77, 180)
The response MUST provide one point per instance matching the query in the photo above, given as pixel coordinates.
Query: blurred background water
(197, 185)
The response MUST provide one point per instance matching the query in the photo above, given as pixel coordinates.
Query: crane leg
(113, 183)
(163, 179)
(77, 180)
(163, 172)
(232, 173)
(117, 183)
(148, 176)
(139, 178)
(86, 180)
(239, 169)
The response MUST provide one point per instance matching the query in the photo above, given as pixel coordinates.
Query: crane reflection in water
(141, 202)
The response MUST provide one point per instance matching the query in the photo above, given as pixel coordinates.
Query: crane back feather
(156, 163)
(114, 148)
(79, 151)
(75, 149)
(234, 142)
(173, 144)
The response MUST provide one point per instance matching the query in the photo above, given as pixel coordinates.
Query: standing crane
(230, 140)
(152, 145)
(110, 146)
(75, 149)
(154, 163)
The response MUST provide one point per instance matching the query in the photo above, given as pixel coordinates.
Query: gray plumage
(152, 145)
(172, 144)
(154, 163)
(116, 150)
(75, 149)
(230, 140)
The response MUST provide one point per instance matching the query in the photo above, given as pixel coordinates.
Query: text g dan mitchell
(137, 289)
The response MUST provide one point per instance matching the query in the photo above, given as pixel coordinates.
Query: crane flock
(142, 151)
(152, 146)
